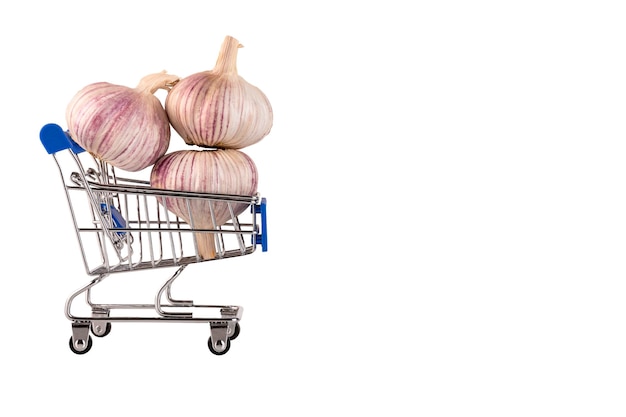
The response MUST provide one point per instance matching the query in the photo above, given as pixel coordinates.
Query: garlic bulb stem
(153, 82)
(227, 58)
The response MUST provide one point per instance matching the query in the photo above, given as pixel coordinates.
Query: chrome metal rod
(165, 287)
(179, 319)
(85, 289)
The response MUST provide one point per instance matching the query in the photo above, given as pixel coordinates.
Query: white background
(446, 211)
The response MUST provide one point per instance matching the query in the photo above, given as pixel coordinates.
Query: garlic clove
(219, 108)
(217, 171)
(126, 127)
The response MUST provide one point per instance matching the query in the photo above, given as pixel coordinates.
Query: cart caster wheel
(235, 332)
(221, 348)
(100, 331)
(80, 347)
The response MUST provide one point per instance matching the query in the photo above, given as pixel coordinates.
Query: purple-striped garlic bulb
(218, 108)
(215, 171)
(126, 127)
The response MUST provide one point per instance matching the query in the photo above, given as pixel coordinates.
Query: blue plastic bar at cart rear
(55, 139)
(262, 238)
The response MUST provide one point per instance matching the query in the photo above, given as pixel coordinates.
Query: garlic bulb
(219, 171)
(126, 127)
(218, 108)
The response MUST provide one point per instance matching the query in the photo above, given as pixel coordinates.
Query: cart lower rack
(123, 225)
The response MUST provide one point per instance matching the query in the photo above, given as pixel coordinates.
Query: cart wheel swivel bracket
(80, 342)
(100, 328)
(219, 341)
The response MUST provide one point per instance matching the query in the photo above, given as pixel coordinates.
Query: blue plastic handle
(261, 238)
(55, 139)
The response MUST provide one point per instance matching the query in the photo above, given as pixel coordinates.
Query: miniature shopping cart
(123, 225)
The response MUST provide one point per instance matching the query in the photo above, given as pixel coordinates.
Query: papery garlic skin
(126, 127)
(217, 171)
(219, 108)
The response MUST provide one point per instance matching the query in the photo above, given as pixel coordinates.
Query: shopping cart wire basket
(123, 225)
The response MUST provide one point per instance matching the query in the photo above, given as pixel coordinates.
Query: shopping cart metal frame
(126, 227)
